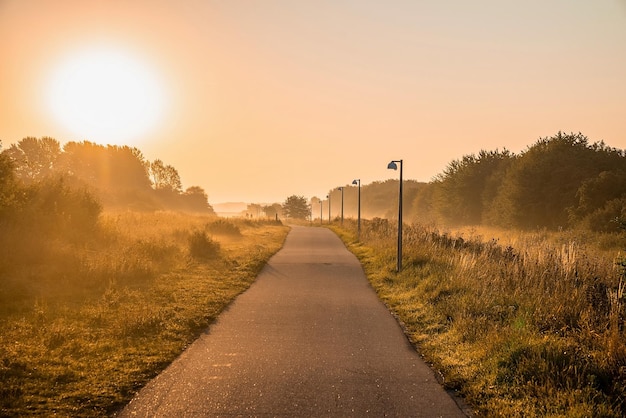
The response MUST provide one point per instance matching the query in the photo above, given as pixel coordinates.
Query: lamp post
(358, 228)
(321, 205)
(341, 188)
(328, 197)
(393, 166)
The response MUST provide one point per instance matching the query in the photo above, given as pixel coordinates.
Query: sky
(256, 100)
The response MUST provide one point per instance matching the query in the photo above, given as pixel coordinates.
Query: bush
(55, 207)
(8, 185)
(202, 247)
(223, 227)
(604, 218)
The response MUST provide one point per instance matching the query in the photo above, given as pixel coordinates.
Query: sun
(106, 95)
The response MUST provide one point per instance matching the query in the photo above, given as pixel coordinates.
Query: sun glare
(106, 96)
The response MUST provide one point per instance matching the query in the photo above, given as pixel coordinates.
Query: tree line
(563, 181)
(46, 186)
(118, 176)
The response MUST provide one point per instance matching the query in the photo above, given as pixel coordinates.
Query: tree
(596, 191)
(112, 168)
(540, 187)
(273, 210)
(165, 177)
(253, 210)
(195, 199)
(378, 199)
(129, 167)
(34, 158)
(422, 204)
(463, 193)
(296, 207)
(601, 199)
(8, 184)
(314, 204)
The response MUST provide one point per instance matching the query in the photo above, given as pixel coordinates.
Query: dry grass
(84, 324)
(531, 328)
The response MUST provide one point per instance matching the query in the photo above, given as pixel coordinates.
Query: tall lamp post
(393, 166)
(358, 228)
(328, 197)
(341, 188)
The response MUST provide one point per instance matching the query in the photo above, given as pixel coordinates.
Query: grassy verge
(531, 330)
(85, 323)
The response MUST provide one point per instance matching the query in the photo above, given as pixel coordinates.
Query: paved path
(309, 338)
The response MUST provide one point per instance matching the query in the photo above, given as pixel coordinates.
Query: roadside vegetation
(89, 318)
(514, 278)
(97, 297)
(531, 326)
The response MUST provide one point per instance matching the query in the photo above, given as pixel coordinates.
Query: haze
(256, 101)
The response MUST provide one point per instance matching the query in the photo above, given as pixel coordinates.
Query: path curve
(309, 338)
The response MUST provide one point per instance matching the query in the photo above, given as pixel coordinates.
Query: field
(87, 319)
(518, 324)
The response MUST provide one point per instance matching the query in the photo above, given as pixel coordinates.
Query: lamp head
(392, 166)
(355, 181)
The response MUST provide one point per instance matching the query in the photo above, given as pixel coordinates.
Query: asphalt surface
(309, 338)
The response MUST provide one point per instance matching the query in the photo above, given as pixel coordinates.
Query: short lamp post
(328, 197)
(321, 211)
(358, 223)
(393, 166)
(341, 188)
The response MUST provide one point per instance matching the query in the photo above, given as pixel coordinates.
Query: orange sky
(260, 100)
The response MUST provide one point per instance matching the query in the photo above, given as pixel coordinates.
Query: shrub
(223, 227)
(604, 218)
(54, 206)
(202, 247)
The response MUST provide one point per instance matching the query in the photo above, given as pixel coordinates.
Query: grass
(532, 327)
(84, 324)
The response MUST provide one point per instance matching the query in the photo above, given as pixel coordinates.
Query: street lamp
(328, 197)
(321, 205)
(393, 166)
(341, 188)
(358, 228)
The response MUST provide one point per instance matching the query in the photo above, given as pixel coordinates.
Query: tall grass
(534, 327)
(85, 322)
